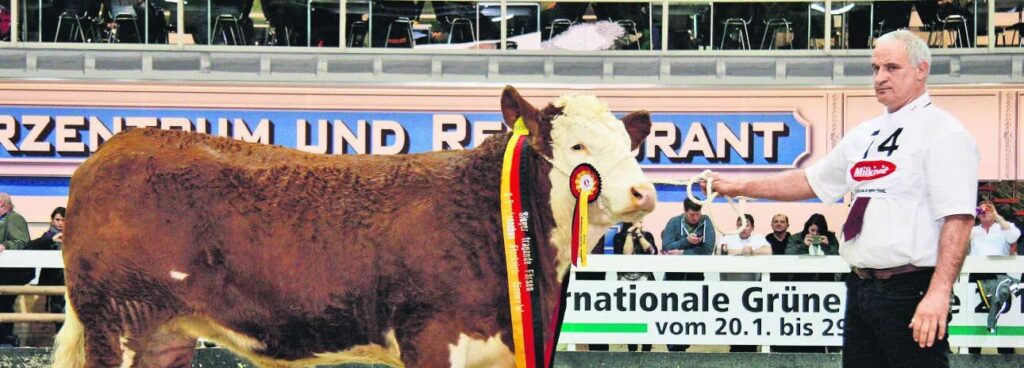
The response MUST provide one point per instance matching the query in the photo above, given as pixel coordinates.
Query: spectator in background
(779, 238)
(814, 240)
(622, 238)
(989, 240)
(52, 239)
(691, 233)
(13, 235)
(635, 240)
(746, 243)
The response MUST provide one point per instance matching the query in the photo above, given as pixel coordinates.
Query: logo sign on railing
(765, 139)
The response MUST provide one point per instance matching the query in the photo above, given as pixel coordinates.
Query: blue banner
(772, 139)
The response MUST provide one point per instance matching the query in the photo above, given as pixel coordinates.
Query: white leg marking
(471, 353)
(391, 344)
(127, 355)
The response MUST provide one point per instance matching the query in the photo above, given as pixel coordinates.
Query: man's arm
(710, 234)
(17, 229)
(670, 239)
(791, 185)
(929, 319)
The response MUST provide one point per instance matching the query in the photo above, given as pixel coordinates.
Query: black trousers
(7, 329)
(877, 315)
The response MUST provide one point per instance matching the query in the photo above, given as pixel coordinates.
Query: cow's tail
(69, 345)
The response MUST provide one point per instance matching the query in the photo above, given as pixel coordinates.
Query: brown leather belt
(887, 273)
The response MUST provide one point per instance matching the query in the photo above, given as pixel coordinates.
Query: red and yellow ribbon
(585, 185)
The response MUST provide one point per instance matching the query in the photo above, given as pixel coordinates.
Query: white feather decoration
(587, 37)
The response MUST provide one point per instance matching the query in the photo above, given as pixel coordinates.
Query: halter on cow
(293, 259)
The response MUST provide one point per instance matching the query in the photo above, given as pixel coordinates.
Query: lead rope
(737, 204)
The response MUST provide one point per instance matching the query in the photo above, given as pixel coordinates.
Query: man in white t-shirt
(989, 240)
(993, 236)
(746, 243)
(913, 172)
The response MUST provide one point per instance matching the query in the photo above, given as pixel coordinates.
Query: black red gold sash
(523, 270)
(523, 291)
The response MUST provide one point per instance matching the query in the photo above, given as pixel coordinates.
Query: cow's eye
(577, 147)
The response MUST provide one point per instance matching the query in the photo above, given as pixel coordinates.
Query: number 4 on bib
(889, 144)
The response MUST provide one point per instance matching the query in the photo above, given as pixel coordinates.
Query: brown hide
(304, 253)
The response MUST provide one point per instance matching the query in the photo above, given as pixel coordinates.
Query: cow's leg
(427, 346)
(163, 349)
(440, 344)
(102, 347)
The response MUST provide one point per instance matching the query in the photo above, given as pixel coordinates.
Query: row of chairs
(72, 27)
(736, 29)
(952, 27)
(400, 33)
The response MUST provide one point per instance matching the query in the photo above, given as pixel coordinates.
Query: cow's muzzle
(644, 197)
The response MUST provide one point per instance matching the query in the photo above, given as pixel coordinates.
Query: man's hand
(722, 186)
(59, 238)
(1001, 221)
(929, 320)
(693, 239)
(2, 248)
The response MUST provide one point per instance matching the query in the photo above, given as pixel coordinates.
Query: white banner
(714, 313)
(753, 312)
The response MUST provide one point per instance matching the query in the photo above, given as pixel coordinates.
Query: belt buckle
(866, 273)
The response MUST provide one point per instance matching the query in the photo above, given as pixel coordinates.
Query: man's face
(4, 208)
(58, 222)
(692, 217)
(745, 233)
(780, 224)
(987, 215)
(896, 81)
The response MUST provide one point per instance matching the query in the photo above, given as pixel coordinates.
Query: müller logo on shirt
(869, 170)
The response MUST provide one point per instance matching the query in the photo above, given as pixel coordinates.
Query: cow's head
(577, 129)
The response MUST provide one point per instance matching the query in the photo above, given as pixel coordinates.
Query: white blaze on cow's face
(587, 132)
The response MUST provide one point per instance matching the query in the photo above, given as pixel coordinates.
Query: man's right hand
(694, 239)
(723, 186)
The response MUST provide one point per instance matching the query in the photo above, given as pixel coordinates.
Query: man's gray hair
(917, 49)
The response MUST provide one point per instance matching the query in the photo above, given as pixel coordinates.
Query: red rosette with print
(585, 176)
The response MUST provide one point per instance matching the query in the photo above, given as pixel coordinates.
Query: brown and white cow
(294, 259)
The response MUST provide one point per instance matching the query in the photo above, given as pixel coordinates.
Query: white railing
(710, 265)
(765, 264)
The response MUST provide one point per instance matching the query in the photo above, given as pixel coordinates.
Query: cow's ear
(514, 106)
(638, 125)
